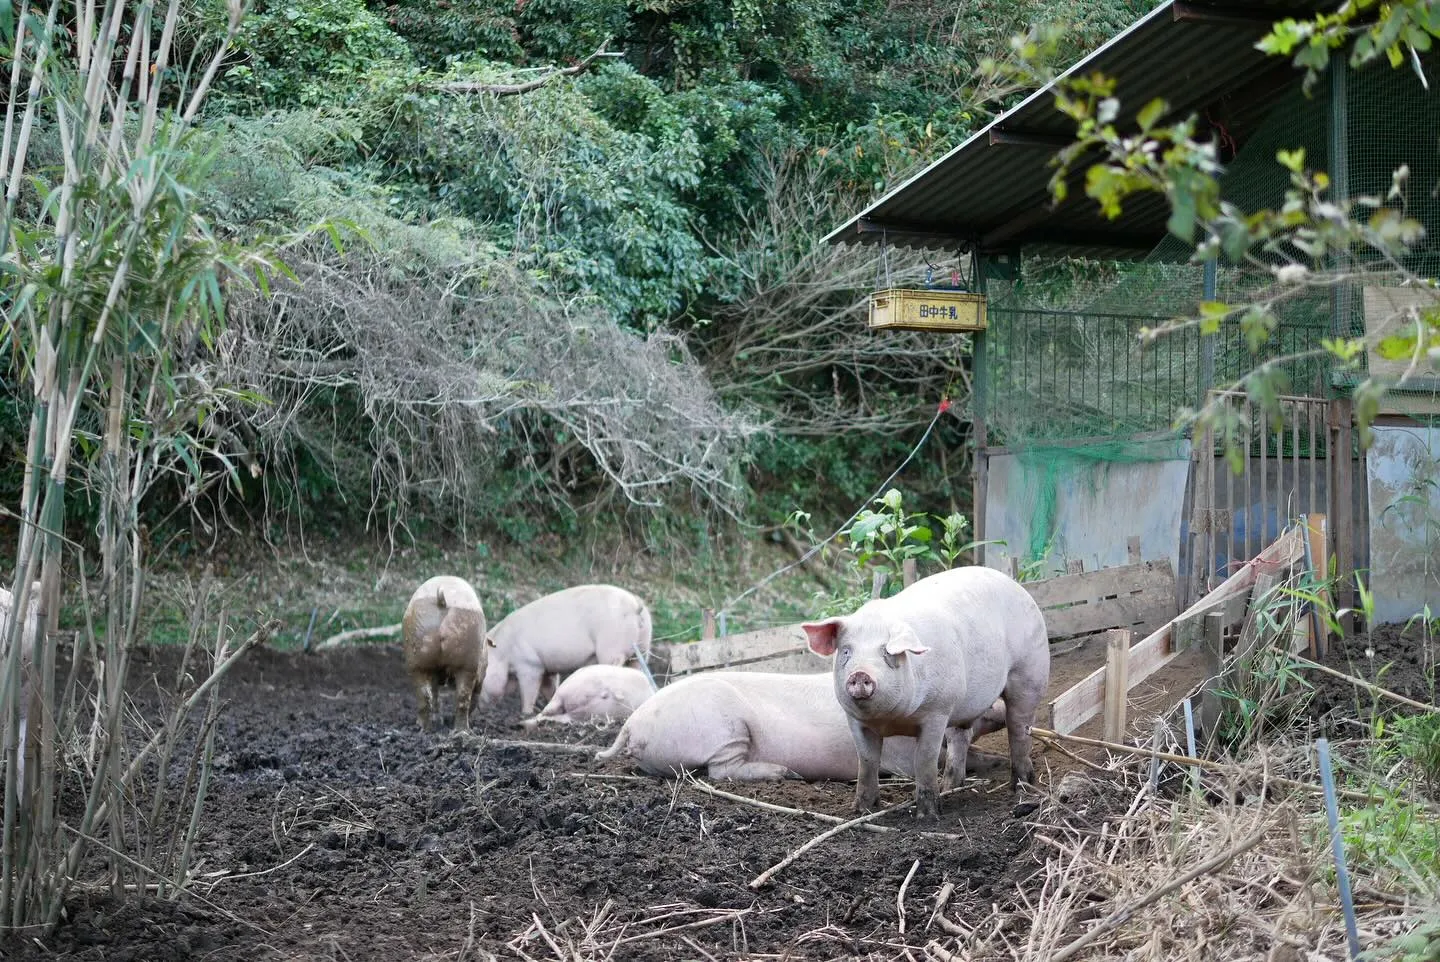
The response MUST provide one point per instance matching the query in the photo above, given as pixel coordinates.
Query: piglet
(935, 657)
(443, 634)
(595, 692)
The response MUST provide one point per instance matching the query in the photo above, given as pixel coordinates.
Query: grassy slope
(357, 584)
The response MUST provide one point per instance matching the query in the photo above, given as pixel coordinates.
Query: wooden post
(1015, 567)
(877, 584)
(1132, 550)
(1117, 683)
(707, 624)
(979, 416)
(1214, 647)
(1320, 566)
(1342, 500)
(909, 571)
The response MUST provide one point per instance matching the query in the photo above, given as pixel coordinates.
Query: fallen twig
(900, 896)
(759, 881)
(933, 949)
(214, 880)
(1044, 734)
(1120, 916)
(820, 816)
(510, 90)
(938, 916)
(358, 634)
(728, 917)
(545, 746)
(1362, 683)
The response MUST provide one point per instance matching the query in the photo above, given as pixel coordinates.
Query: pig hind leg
(732, 760)
(426, 695)
(464, 696)
(1022, 700)
(957, 752)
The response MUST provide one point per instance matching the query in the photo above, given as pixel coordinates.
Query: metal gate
(1296, 464)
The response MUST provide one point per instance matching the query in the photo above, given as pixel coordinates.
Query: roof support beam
(999, 136)
(1221, 16)
(910, 232)
(1100, 240)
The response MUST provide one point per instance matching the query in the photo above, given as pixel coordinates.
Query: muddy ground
(336, 830)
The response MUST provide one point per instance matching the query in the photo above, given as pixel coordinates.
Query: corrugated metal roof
(992, 193)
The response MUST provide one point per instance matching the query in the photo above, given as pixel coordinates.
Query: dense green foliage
(676, 189)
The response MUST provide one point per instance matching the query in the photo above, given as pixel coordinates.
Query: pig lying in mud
(556, 634)
(443, 633)
(748, 726)
(595, 692)
(935, 657)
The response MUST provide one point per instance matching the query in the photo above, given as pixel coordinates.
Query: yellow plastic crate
(921, 310)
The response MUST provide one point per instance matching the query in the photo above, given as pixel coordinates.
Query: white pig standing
(934, 657)
(748, 726)
(556, 634)
(596, 692)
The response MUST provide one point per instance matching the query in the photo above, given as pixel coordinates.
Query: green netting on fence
(1066, 358)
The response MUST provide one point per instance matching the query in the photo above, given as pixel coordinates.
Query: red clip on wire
(944, 405)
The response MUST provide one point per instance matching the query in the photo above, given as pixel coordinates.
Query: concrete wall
(1099, 506)
(1403, 482)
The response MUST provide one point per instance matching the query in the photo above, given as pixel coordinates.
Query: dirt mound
(335, 829)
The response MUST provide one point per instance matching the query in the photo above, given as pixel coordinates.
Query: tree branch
(510, 90)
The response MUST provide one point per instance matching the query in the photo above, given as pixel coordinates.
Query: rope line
(929, 428)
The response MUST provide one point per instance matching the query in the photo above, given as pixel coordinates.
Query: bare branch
(510, 90)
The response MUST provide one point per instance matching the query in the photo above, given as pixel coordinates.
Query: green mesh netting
(1073, 388)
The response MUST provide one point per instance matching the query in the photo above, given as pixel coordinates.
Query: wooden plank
(877, 584)
(707, 624)
(1086, 699)
(749, 646)
(1209, 688)
(1317, 532)
(1131, 611)
(1117, 685)
(1342, 529)
(1107, 583)
(795, 663)
(909, 571)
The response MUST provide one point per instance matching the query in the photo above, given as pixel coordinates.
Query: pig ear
(490, 640)
(904, 644)
(822, 635)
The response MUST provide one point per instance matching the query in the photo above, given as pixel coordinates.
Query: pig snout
(859, 685)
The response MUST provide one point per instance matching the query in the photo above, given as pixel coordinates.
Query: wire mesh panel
(1284, 474)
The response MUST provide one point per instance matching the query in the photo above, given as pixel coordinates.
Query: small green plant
(885, 537)
(1420, 944)
(1394, 839)
(1414, 739)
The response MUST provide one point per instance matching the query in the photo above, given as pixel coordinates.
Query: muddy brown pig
(443, 633)
(932, 658)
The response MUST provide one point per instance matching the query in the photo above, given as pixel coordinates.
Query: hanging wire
(941, 409)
